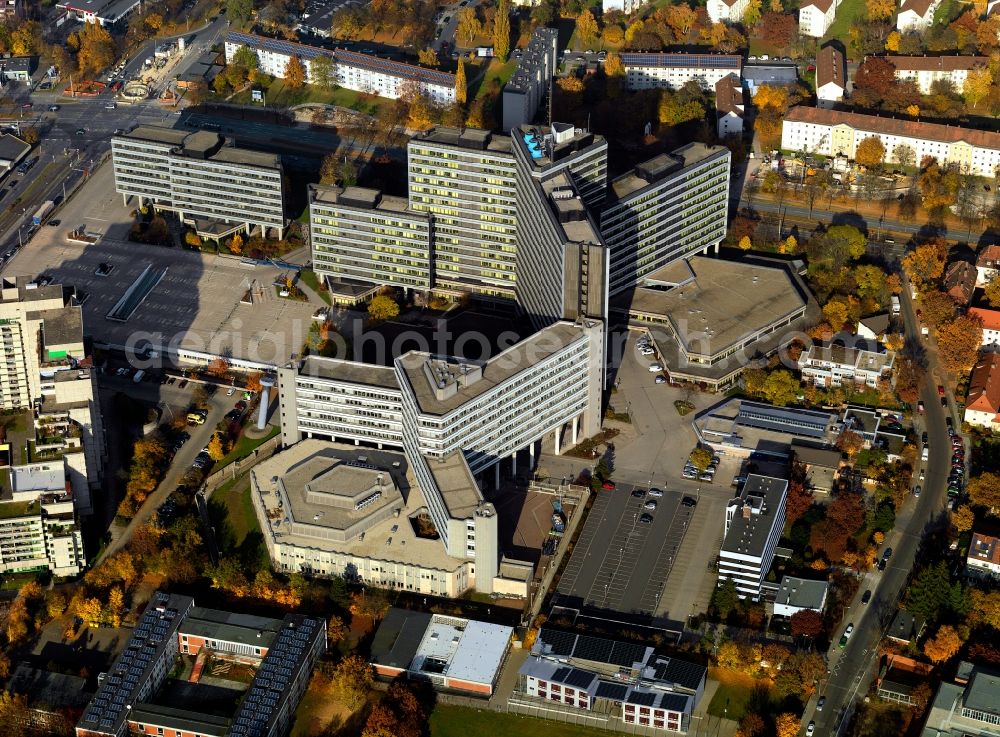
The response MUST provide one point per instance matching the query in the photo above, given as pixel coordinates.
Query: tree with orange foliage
(217, 367)
(786, 725)
(351, 681)
(235, 245)
(943, 646)
(799, 500)
(369, 603)
(751, 725)
(253, 382)
(806, 623)
(925, 264)
(850, 442)
(958, 343)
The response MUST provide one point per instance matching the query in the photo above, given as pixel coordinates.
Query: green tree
(700, 458)
(781, 388)
(246, 58)
(295, 73)
(239, 12)
(383, 307)
(501, 30)
(725, 599)
(339, 594)
(932, 594)
(321, 73)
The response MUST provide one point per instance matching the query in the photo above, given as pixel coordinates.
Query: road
(852, 670)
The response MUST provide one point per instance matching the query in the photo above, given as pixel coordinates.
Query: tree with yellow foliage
(892, 42)
(786, 725)
(352, 679)
(295, 73)
(963, 518)
(977, 86)
(235, 244)
(745, 243)
(218, 447)
(116, 607)
(428, 58)
(461, 86)
(421, 113)
(501, 30)
(944, 645)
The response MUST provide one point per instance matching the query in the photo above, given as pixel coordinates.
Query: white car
(654, 367)
(810, 729)
(646, 351)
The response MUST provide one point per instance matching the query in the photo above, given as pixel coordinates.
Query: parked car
(654, 367)
(916, 491)
(231, 392)
(638, 493)
(660, 379)
(689, 501)
(609, 485)
(654, 492)
(650, 505)
(847, 634)
(241, 405)
(866, 597)
(811, 729)
(821, 703)
(706, 476)
(646, 518)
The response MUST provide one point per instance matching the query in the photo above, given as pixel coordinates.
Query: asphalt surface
(620, 563)
(852, 669)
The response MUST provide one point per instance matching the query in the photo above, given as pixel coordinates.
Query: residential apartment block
(925, 70)
(991, 326)
(626, 6)
(754, 520)
(834, 132)
(833, 364)
(987, 265)
(529, 85)
(362, 237)
(982, 402)
(831, 76)
(38, 523)
(464, 181)
(959, 282)
(47, 375)
(727, 11)
(202, 176)
(626, 680)
(129, 701)
(816, 17)
(645, 71)
(351, 70)
(666, 209)
(984, 556)
(730, 106)
(916, 15)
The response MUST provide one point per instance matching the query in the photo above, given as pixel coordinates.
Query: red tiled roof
(984, 386)
(894, 126)
(935, 63)
(729, 96)
(821, 5)
(988, 257)
(989, 318)
(920, 7)
(830, 68)
(984, 548)
(960, 281)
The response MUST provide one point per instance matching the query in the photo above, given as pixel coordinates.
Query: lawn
(234, 497)
(497, 71)
(244, 446)
(846, 14)
(308, 277)
(279, 95)
(731, 698)
(458, 721)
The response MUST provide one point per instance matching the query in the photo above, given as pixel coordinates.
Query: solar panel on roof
(701, 61)
(579, 678)
(626, 653)
(642, 698)
(561, 643)
(593, 648)
(612, 691)
(673, 702)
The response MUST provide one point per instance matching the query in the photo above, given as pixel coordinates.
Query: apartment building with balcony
(925, 70)
(755, 518)
(213, 185)
(661, 70)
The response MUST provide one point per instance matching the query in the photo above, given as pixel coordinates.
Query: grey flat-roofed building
(184, 721)
(362, 235)
(12, 151)
(18, 67)
(664, 210)
(529, 84)
(781, 76)
(544, 150)
(798, 594)
(970, 709)
(754, 520)
(201, 176)
(465, 180)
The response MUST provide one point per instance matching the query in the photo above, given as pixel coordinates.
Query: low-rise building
(899, 677)
(661, 70)
(799, 594)
(730, 106)
(17, 68)
(754, 520)
(626, 6)
(833, 364)
(742, 428)
(727, 11)
(874, 327)
(529, 85)
(982, 402)
(772, 75)
(352, 70)
(12, 152)
(960, 282)
(108, 13)
(969, 709)
(905, 627)
(983, 560)
(597, 674)
(709, 317)
(831, 75)
(452, 653)
(916, 15)
(837, 132)
(816, 17)
(991, 325)
(987, 265)
(822, 464)
(925, 70)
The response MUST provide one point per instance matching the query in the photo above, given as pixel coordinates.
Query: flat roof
(338, 369)
(457, 484)
(658, 169)
(726, 302)
(12, 148)
(181, 719)
(757, 505)
(398, 638)
(473, 650)
(802, 593)
(61, 326)
(475, 139)
(405, 547)
(216, 624)
(500, 368)
(201, 145)
(364, 198)
(568, 209)
(41, 477)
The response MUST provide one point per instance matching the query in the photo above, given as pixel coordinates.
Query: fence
(521, 703)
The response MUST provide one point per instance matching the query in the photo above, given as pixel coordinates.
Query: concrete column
(496, 474)
(124, 200)
(531, 451)
(357, 441)
(265, 399)
(558, 433)
(716, 248)
(309, 434)
(248, 228)
(576, 430)
(513, 463)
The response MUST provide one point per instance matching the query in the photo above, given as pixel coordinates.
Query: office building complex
(49, 377)
(529, 85)
(351, 70)
(464, 180)
(361, 237)
(834, 132)
(628, 681)
(645, 71)
(666, 209)
(38, 528)
(452, 653)
(754, 520)
(203, 177)
(282, 651)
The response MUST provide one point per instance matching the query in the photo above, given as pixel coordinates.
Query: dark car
(81, 131)
(646, 518)
(923, 438)
(184, 383)
(241, 405)
(887, 554)
(866, 597)
(638, 493)
(944, 401)
(54, 223)
(688, 501)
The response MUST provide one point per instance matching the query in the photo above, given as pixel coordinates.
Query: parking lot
(621, 563)
(196, 305)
